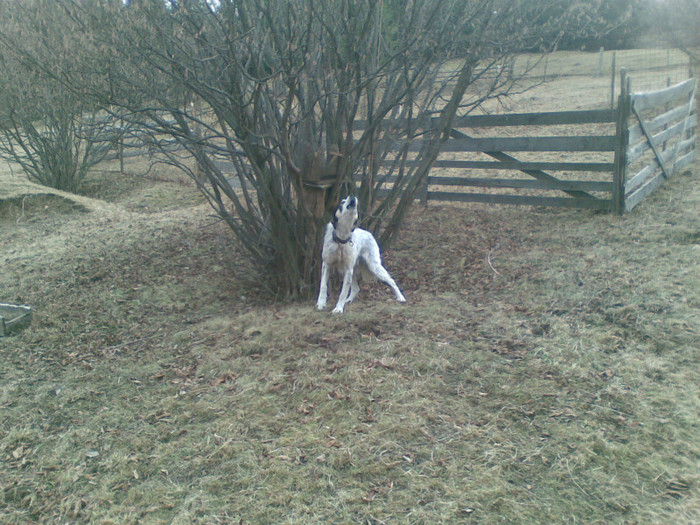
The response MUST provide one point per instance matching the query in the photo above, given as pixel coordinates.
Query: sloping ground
(15, 188)
(544, 369)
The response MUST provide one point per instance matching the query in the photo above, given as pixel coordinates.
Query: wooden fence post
(622, 144)
(612, 83)
(120, 153)
(120, 146)
(424, 189)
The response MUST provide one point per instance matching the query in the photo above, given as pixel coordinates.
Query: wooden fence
(651, 137)
(573, 191)
(645, 140)
(658, 138)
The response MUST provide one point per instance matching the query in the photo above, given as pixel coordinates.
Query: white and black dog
(347, 248)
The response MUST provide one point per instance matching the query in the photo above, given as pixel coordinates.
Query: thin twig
(124, 345)
(488, 260)
(21, 214)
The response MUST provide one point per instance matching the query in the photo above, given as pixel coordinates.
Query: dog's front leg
(344, 292)
(323, 291)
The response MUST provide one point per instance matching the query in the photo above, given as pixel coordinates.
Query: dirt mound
(18, 196)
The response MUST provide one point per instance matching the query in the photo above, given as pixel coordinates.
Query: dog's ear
(334, 218)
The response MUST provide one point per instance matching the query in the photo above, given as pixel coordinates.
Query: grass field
(544, 369)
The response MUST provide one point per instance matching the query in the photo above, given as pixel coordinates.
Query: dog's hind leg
(384, 276)
(323, 291)
(374, 265)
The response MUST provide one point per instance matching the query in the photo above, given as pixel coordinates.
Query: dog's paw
(401, 299)
(320, 306)
(338, 310)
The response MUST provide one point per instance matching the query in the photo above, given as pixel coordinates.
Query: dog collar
(341, 241)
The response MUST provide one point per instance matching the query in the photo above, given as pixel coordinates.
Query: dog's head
(345, 215)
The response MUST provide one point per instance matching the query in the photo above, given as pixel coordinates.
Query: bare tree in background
(679, 22)
(47, 130)
(301, 100)
(48, 133)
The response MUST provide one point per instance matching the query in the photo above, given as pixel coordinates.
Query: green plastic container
(13, 318)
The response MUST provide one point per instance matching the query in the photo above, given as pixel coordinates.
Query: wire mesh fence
(654, 68)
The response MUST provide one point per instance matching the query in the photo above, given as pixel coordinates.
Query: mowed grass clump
(544, 369)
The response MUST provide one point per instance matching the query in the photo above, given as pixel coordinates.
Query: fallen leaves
(565, 413)
(339, 395)
(332, 443)
(19, 452)
(20, 455)
(511, 349)
(676, 489)
(378, 490)
(227, 377)
(306, 408)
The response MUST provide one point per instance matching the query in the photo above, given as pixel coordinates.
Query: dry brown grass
(544, 368)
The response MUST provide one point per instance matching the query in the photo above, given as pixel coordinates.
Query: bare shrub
(45, 128)
(285, 106)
